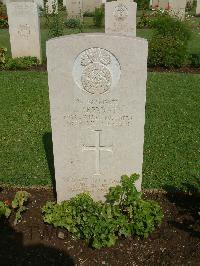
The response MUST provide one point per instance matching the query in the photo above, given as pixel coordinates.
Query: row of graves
(175, 7)
(97, 88)
(75, 8)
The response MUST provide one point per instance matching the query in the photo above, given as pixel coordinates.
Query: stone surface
(97, 87)
(177, 8)
(24, 29)
(74, 8)
(164, 4)
(198, 7)
(120, 17)
(155, 4)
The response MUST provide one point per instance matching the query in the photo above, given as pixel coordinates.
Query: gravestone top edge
(82, 35)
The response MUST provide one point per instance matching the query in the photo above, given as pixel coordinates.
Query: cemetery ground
(171, 169)
(171, 163)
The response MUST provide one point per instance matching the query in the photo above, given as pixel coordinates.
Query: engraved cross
(98, 148)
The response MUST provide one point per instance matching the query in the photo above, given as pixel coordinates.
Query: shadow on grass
(188, 205)
(48, 146)
(14, 252)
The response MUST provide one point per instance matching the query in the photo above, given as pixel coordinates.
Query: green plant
(20, 63)
(88, 14)
(5, 211)
(54, 21)
(143, 4)
(168, 46)
(100, 224)
(2, 55)
(3, 22)
(195, 60)
(74, 23)
(21, 198)
(98, 16)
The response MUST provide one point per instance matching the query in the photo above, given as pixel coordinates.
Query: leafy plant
(21, 198)
(3, 22)
(168, 46)
(54, 21)
(100, 224)
(20, 63)
(98, 16)
(74, 23)
(2, 55)
(143, 4)
(88, 14)
(5, 211)
(195, 60)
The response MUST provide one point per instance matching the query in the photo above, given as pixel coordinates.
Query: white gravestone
(198, 8)
(74, 8)
(24, 29)
(120, 17)
(155, 4)
(177, 8)
(164, 4)
(97, 87)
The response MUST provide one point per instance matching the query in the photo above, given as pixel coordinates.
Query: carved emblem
(121, 12)
(96, 77)
(96, 71)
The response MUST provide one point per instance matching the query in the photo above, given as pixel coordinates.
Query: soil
(31, 242)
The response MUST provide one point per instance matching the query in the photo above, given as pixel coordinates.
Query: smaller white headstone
(24, 29)
(163, 4)
(74, 8)
(120, 17)
(177, 8)
(198, 8)
(155, 4)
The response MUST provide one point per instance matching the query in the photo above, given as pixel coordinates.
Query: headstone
(74, 8)
(198, 8)
(97, 86)
(177, 8)
(24, 29)
(164, 4)
(155, 4)
(52, 6)
(120, 17)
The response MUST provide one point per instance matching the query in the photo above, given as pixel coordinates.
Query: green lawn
(172, 131)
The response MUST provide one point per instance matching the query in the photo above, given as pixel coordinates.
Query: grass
(172, 130)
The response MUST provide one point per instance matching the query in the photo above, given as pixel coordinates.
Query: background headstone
(177, 8)
(198, 7)
(24, 29)
(74, 8)
(120, 17)
(164, 4)
(97, 101)
(155, 4)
